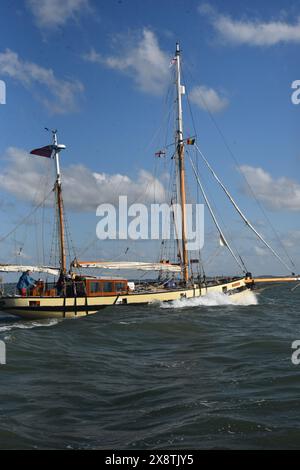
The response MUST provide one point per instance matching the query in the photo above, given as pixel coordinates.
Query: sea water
(192, 374)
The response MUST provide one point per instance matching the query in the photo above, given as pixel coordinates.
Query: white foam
(28, 325)
(213, 299)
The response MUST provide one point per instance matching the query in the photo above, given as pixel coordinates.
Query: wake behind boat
(77, 294)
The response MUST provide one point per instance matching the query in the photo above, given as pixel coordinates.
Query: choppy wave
(28, 325)
(192, 378)
(213, 299)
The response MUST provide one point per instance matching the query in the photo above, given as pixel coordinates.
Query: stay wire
(235, 160)
(24, 219)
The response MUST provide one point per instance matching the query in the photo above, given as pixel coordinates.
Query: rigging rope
(223, 238)
(247, 222)
(4, 237)
(239, 170)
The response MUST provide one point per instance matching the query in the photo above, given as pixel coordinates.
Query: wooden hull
(59, 307)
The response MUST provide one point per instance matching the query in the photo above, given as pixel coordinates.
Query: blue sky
(99, 72)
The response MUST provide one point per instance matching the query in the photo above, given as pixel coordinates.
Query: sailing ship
(76, 295)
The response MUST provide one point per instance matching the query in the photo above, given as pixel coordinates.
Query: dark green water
(198, 377)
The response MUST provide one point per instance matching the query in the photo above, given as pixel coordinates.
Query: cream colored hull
(59, 307)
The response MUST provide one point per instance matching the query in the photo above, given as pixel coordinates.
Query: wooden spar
(179, 257)
(257, 280)
(180, 154)
(58, 191)
(183, 214)
(61, 225)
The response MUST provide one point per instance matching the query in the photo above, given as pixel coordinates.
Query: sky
(100, 72)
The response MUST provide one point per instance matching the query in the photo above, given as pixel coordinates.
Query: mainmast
(58, 191)
(181, 169)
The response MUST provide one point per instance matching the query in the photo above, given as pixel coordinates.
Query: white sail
(15, 268)
(141, 266)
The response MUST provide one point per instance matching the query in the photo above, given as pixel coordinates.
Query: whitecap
(28, 325)
(213, 299)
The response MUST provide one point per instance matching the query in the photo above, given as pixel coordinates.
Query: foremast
(181, 167)
(59, 201)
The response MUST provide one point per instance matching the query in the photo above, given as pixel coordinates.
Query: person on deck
(170, 284)
(61, 284)
(24, 282)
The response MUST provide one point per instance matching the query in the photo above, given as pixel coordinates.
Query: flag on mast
(160, 153)
(43, 151)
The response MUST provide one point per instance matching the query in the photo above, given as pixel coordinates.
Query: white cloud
(62, 93)
(208, 99)
(292, 240)
(83, 189)
(277, 194)
(54, 13)
(141, 58)
(261, 251)
(252, 32)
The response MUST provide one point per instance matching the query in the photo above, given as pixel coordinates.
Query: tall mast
(181, 169)
(58, 191)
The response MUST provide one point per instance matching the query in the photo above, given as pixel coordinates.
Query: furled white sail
(128, 265)
(15, 268)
